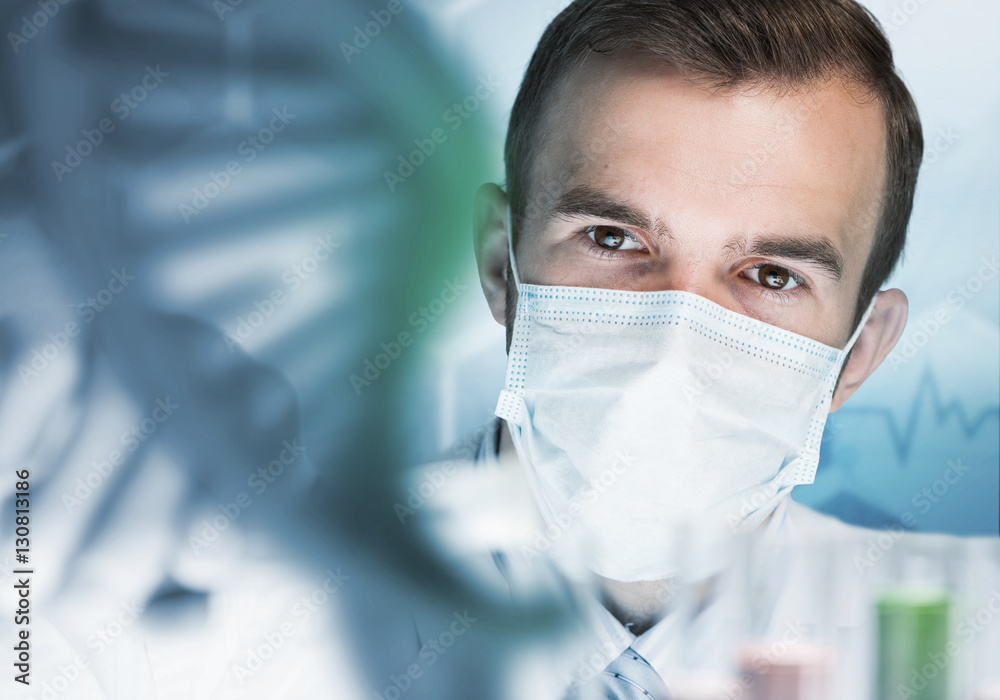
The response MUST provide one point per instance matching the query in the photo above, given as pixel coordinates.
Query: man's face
(762, 202)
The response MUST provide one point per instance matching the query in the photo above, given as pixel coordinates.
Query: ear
(489, 229)
(878, 337)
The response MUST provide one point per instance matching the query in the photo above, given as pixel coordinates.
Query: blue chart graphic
(930, 407)
(920, 437)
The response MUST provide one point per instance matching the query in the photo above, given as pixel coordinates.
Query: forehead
(748, 157)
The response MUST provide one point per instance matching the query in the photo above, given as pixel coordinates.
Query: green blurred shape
(913, 656)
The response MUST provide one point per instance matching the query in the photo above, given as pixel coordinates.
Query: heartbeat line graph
(902, 432)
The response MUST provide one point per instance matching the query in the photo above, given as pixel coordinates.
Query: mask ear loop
(510, 248)
(861, 324)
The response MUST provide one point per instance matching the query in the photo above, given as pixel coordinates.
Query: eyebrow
(817, 251)
(586, 201)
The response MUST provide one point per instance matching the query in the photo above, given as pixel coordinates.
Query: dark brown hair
(729, 43)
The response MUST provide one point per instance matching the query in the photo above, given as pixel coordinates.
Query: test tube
(912, 641)
(800, 672)
(790, 603)
(977, 620)
(913, 609)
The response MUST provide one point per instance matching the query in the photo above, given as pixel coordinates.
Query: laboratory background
(239, 299)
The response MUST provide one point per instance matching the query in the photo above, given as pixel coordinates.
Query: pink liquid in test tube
(779, 671)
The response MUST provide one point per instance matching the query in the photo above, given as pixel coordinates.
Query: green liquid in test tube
(912, 639)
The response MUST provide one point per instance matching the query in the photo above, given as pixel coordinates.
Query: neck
(638, 605)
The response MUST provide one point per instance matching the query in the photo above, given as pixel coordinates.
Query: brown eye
(612, 238)
(608, 237)
(774, 277)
